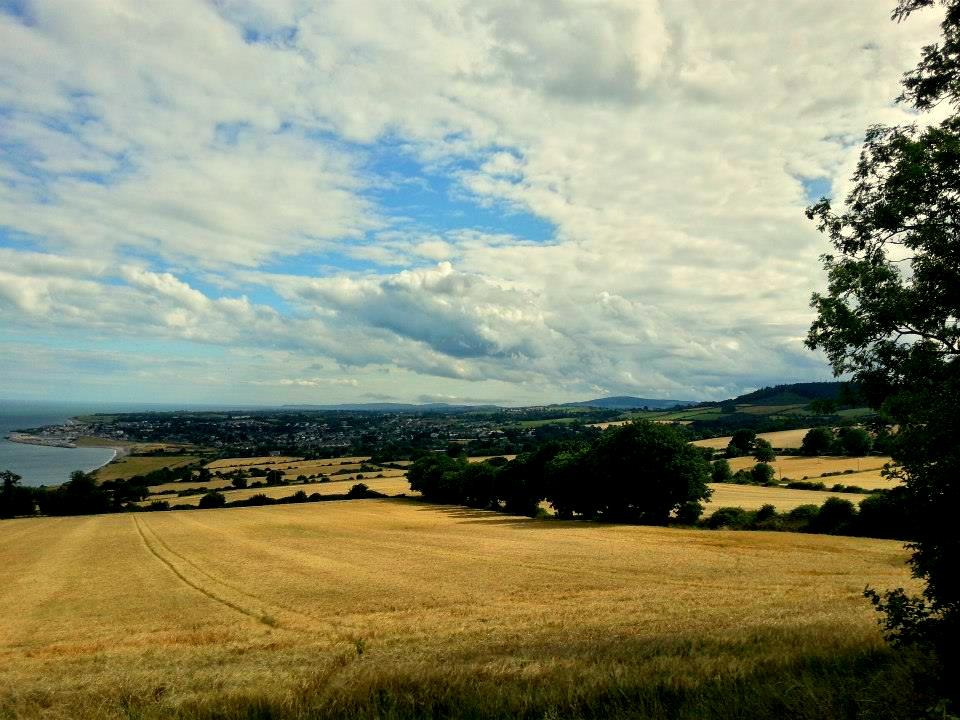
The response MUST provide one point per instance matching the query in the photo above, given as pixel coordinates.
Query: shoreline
(67, 443)
(27, 439)
(116, 454)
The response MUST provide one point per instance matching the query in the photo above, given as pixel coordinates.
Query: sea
(40, 465)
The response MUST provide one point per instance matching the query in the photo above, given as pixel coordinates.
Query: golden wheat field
(484, 458)
(165, 608)
(288, 464)
(394, 485)
(796, 468)
(780, 439)
(753, 497)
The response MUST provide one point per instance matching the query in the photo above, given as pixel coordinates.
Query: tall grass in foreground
(664, 681)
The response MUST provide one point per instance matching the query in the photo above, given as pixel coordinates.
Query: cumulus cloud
(193, 172)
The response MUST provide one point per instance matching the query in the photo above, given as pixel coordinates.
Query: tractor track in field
(267, 606)
(187, 581)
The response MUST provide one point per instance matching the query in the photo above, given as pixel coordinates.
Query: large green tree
(890, 316)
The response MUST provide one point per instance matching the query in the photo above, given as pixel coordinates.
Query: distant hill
(626, 402)
(394, 407)
(793, 394)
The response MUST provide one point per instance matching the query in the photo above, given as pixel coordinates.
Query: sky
(508, 201)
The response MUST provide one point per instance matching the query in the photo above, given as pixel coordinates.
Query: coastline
(27, 439)
(116, 454)
(69, 443)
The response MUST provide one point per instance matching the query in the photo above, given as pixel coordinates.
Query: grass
(130, 465)
(259, 613)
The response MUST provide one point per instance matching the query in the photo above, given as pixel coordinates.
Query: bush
(212, 499)
(720, 471)
(734, 518)
(886, 515)
(803, 513)
(804, 485)
(762, 473)
(763, 451)
(835, 516)
(855, 441)
(765, 513)
(689, 513)
(818, 441)
(14, 498)
(360, 490)
(741, 443)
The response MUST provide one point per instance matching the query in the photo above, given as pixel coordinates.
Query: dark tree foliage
(79, 496)
(14, 499)
(721, 471)
(763, 451)
(762, 473)
(854, 441)
(890, 317)
(212, 499)
(641, 472)
(437, 478)
(819, 441)
(741, 443)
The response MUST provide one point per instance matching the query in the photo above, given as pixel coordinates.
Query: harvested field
(294, 466)
(796, 467)
(214, 484)
(131, 465)
(388, 486)
(781, 439)
(483, 458)
(139, 615)
(752, 497)
(249, 462)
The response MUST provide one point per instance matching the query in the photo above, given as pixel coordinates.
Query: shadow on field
(465, 515)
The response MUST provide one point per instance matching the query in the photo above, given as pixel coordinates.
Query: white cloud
(147, 146)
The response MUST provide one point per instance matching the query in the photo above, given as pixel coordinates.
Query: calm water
(39, 465)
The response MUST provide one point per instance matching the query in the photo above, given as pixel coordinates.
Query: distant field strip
(294, 466)
(864, 469)
(394, 485)
(131, 465)
(780, 439)
(752, 497)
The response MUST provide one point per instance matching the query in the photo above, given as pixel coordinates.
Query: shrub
(720, 471)
(818, 441)
(762, 473)
(835, 516)
(763, 451)
(212, 499)
(734, 518)
(689, 513)
(359, 490)
(803, 513)
(804, 485)
(765, 513)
